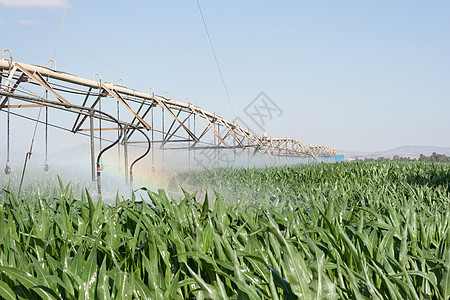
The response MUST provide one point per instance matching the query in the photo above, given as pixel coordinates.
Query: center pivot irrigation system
(164, 122)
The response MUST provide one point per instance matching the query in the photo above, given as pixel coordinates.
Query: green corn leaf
(89, 276)
(444, 283)
(29, 282)
(6, 292)
(171, 292)
(141, 291)
(208, 289)
(103, 292)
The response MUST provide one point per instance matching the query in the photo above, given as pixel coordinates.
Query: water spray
(78, 109)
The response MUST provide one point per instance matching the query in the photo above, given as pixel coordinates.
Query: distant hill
(404, 151)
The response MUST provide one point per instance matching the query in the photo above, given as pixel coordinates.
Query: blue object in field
(339, 158)
(331, 159)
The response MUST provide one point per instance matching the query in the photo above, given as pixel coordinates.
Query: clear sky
(355, 75)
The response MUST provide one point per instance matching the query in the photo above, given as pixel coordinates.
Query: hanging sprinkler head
(99, 181)
(7, 169)
(46, 167)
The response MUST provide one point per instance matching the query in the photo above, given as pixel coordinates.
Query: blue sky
(355, 75)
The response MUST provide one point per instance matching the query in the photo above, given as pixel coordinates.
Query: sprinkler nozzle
(7, 169)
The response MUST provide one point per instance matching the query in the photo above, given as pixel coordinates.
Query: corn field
(327, 231)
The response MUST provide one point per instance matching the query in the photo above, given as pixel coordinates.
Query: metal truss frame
(175, 117)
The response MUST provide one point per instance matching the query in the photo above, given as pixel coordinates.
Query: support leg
(93, 170)
(125, 150)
